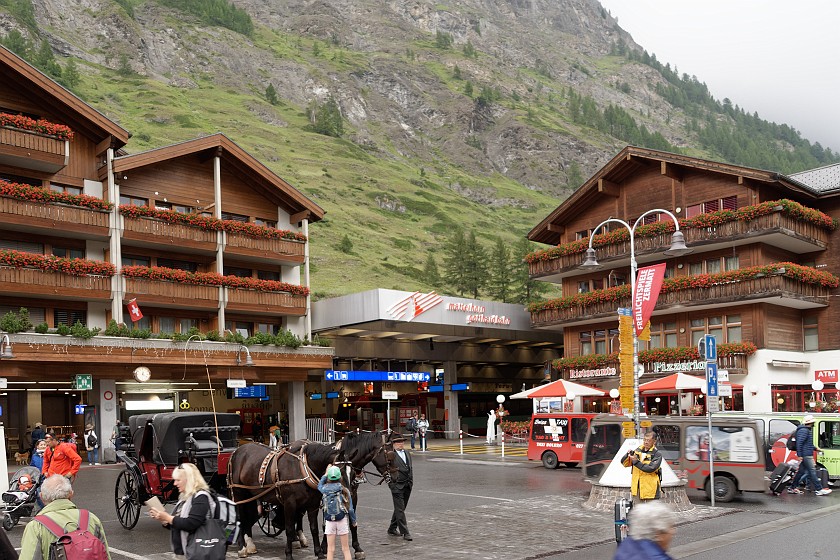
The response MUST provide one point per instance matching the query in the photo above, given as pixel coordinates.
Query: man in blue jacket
(805, 450)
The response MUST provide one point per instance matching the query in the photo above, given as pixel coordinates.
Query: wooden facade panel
(646, 190)
(238, 197)
(704, 187)
(187, 181)
(590, 216)
(783, 328)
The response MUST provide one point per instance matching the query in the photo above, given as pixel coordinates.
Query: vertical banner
(625, 358)
(134, 310)
(648, 284)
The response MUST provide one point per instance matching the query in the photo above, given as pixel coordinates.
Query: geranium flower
(44, 195)
(211, 279)
(51, 263)
(40, 126)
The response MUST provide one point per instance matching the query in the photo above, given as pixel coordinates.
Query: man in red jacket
(60, 458)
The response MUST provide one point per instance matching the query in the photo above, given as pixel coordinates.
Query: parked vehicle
(558, 438)
(738, 452)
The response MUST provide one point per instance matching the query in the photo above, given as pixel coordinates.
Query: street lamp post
(677, 248)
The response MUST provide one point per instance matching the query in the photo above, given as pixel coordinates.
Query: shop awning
(562, 388)
(678, 382)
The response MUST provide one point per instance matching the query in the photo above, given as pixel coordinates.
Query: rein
(270, 464)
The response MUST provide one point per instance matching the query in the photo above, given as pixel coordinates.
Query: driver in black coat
(402, 479)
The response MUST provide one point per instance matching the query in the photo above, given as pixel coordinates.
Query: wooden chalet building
(200, 235)
(762, 278)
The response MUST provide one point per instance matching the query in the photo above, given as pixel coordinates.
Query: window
(133, 260)
(733, 328)
(583, 234)
(731, 263)
(237, 271)
(652, 218)
(36, 314)
(142, 324)
(663, 335)
(585, 286)
(238, 326)
(713, 266)
(167, 324)
(668, 441)
(810, 333)
(69, 317)
(726, 203)
(68, 253)
(268, 275)
(8, 177)
(267, 328)
(600, 341)
(235, 217)
(829, 435)
(22, 246)
(731, 445)
(163, 205)
(67, 189)
(725, 328)
(579, 428)
(187, 324)
(180, 208)
(780, 428)
(585, 343)
(178, 264)
(266, 223)
(133, 200)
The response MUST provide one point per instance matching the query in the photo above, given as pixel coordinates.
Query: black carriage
(163, 441)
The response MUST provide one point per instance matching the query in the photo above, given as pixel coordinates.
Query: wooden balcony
(777, 229)
(23, 215)
(30, 150)
(733, 363)
(151, 232)
(172, 294)
(32, 282)
(283, 250)
(254, 301)
(778, 290)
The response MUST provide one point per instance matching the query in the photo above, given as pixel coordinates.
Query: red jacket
(63, 460)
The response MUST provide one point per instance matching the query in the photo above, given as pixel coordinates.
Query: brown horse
(288, 478)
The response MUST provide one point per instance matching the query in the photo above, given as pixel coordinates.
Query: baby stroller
(22, 496)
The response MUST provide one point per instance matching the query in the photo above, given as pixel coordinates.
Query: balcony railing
(165, 233)
(54, 217)
(810, 237)
(161, 292)
(31, 282)
(30, 150)
(610, 369)
(273, 302)
(785, 292)
(734, 363)
(275, 249)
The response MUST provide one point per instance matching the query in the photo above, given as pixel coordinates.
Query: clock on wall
(142, 374)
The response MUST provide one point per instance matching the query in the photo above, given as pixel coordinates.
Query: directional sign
(712, 380)
(725, 390)
(390, 395)
(711, 348)
(392, 376)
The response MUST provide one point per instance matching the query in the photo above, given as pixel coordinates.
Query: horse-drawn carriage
(160, 443)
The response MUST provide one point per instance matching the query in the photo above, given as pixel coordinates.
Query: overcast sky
(780, 58)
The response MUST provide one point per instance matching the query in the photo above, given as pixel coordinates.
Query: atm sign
(826, 375)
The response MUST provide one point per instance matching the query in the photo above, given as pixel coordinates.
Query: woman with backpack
(338, 511)
(92, 445)
(190, 513)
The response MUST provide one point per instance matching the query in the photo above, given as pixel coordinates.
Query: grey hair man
(56, 493)
(652, 528)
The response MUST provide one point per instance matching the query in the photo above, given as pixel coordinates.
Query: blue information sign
(712, 379)
(392, 376)
(711, 348)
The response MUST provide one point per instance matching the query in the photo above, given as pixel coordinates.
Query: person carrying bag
(195, 533)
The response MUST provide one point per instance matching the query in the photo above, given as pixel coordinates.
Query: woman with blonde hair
(192, 509)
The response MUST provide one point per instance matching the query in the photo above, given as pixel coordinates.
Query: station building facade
(473, 351)
(200, 235)
(762, 278)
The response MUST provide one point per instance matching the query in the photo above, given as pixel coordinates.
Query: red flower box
(211, 279)
(40, 126)
(50, 263)
(44, 195)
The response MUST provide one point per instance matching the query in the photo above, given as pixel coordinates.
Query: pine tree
(454, 262)
(70, 75)
(476, 266)
(430, 271)
(468, 89)
(526, 289)
(326, 119)
(271, 95)
(17, 43)
(345, 245)
(45, 61)
(500, 284)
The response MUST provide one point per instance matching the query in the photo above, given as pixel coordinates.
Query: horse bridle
(361, 474)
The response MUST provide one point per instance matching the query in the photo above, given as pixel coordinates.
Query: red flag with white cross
(134, 310)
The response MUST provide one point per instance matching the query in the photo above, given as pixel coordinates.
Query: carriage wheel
(268, 520)
(9, 522)
(127, 499)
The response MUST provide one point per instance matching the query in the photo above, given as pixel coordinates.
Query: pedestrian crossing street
(473, 449)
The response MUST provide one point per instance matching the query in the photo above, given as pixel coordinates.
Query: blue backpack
(333, 505)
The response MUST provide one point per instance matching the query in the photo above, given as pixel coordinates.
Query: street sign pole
(712, 402)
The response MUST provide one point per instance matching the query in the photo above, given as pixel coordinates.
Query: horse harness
(269, 474)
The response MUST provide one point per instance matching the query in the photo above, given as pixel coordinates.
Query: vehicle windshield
(602, 444)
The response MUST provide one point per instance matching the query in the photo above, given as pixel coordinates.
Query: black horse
(288, 478)
(358, 451)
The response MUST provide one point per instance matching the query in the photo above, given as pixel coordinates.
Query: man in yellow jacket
(646, 462)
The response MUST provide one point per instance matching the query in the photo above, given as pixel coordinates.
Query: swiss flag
(134, 311)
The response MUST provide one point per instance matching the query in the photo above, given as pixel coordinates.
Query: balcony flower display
(44, 195)
(50, 263)
(710, 219)
(40, 126)
(798, 272)
(677, 354)
(211, 279)
(210, 224)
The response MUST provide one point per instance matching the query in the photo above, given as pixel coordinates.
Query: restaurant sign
(584, 373)
(692, 365)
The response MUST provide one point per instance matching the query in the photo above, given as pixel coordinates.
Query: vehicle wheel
(8, 522)
(549, 460)
(725, 489)
(268, 520)
(127, 499)
(570, 464)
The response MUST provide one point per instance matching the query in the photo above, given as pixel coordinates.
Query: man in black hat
(401, 483)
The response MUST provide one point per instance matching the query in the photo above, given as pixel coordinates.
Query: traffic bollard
(503, 444)
(461, 440)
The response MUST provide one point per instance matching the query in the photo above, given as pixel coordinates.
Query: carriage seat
(208, 446)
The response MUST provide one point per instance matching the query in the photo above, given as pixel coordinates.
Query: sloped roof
(822, 179)
(273, 186)
(75, 113)
(631, 159)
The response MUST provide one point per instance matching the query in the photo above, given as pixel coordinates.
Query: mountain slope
(556, 89)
